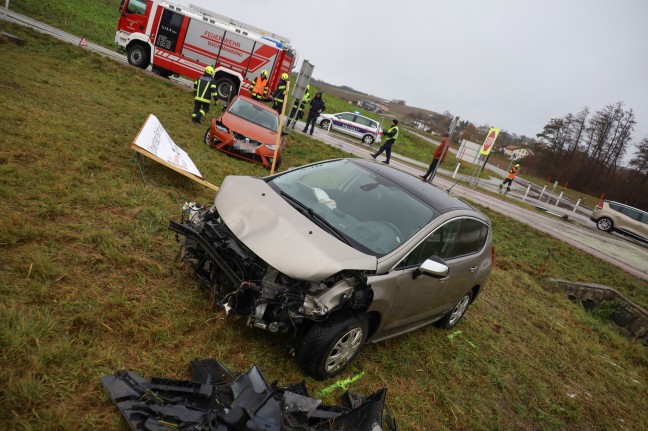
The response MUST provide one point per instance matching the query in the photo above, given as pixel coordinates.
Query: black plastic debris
(218, 400)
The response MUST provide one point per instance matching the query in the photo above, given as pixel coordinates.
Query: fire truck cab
(180, 40)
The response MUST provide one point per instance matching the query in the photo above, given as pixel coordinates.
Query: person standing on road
(297, 110)
(259, 89)
(438, 157)
(510, 177)
(317, 106)
(204, 90)
(391, 134)
(278, 97)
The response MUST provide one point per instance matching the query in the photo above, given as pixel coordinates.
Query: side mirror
(434, 267)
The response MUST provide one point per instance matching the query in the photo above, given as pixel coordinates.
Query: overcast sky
(513, 64)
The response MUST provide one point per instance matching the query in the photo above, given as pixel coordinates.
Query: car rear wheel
(454, 316)
(324, 124)
(605, 224)
(368, 139)
(330, 346)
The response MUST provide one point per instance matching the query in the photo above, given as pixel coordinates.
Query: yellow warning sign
(489, 141)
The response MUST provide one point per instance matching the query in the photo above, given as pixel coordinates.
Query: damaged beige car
(338, 253)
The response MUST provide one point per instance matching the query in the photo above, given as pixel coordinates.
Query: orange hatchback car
(248, 130)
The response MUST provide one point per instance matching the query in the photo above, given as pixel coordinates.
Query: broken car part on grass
(217, 399)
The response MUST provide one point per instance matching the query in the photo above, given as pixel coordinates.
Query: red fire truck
(181, 40)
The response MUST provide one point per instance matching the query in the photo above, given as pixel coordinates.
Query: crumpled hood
(282, 236)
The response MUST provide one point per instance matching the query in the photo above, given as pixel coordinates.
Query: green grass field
(89, 282)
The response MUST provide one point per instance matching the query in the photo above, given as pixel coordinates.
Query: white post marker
(559, 197)
(577, 204)
(527, 192)
(542, 192)
(456, 170)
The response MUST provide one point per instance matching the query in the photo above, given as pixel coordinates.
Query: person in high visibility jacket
(204, 90)
(297, 110)
(280, 92)
(391, 135)
(259, 89)
(510, 177)
(438, 157)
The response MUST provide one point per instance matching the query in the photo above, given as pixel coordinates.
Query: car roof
(424, 191)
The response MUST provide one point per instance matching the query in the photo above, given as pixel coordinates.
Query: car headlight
(221, 128)
(270, 147)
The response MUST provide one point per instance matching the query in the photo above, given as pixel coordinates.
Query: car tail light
(493, 255)
(599, 206)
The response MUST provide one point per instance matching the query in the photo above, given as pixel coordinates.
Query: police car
(354, 124)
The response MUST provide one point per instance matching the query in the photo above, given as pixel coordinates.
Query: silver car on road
(337, 254)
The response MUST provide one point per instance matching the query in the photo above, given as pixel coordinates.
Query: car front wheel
(207, 138)
(454, 316)
(324, 124)
(605, 224)
(330, 346)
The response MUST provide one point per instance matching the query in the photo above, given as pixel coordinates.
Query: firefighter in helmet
(259, 89)
(280, 92)
(204, 90)
(510, 176)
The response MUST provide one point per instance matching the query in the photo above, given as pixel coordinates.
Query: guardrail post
(559, 197)
(576, 206)
(542, 192)
(527, 192)
(456, 170)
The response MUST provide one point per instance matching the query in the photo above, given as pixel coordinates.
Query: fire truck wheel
(138, 56)
(225, 88)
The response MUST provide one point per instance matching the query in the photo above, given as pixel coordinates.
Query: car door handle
(473, 268)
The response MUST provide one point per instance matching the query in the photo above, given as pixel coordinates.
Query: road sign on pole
(489, 141)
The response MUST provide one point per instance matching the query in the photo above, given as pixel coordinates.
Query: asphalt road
(629, 255)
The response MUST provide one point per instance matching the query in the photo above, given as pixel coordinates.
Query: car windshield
(254, 114)
(369, 211)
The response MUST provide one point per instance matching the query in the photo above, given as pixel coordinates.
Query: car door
(632, 222)
(133, 19)
(421, 299)
(346, 123)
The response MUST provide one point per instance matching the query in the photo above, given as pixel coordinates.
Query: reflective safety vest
(392, 138)
(304, 100)
(512, 172)
(281, 90)
(205, 89)
(260, 86)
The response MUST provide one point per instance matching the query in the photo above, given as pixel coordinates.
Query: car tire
(207, 138)
(324, 124)
(368, 139)
(138, 56)
(225, 88)
(605, 224)
(330, 346)
(453, 317)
